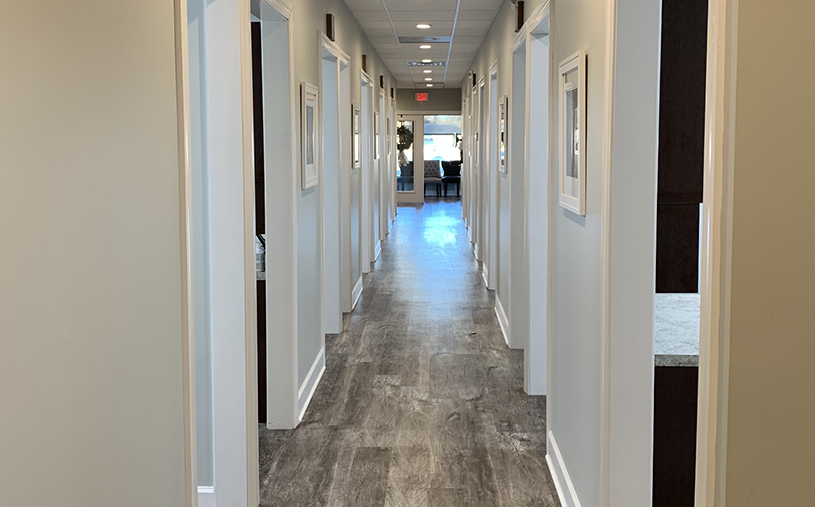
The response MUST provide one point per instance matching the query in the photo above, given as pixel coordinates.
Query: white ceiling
(464, 22)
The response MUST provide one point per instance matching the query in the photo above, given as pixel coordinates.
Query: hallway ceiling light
(427, 71)
(425, 46)
(429, 85)
(427, 60)
(428, 79)
(423, 26)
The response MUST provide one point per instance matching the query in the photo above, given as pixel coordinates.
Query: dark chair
(432, 174)
(406, 180)
(452, 174)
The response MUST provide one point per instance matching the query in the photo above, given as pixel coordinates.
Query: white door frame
(465, 165)
(533, 278)
(715, 249)
(491, 179)
(236, 460)
(366, 117)
(393, 163)
(331, 198)
(628, 251)
(472, 171)
(376, 182)
(383, 170)
(480, 138)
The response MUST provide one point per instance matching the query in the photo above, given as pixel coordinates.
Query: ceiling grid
(456, 30)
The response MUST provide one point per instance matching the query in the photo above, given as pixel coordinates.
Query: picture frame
(503, 137)
(309, 136)
(356, 161)
(376, 136)
(388, 135)
(572, 133)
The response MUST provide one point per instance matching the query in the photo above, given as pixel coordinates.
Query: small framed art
(355, 160)
(309, 136)
(503, 138)
(376, 136)
(572, 133)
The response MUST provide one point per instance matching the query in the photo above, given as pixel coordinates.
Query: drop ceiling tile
(356, 5)
(419, 6)
(366, 25)
(476, 14)
(424, 16)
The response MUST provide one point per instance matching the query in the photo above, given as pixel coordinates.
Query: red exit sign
(422, 96)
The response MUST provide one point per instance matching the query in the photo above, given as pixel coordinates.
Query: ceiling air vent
(425, 40)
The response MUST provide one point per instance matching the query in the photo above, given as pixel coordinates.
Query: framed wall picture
(376, 136)
(310, 131)
(355, 141)
(502, 134)
(572, 133)
(388, 135)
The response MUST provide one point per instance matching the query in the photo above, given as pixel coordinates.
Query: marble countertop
(676, 329)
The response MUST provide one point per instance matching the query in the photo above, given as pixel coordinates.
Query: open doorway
(335, 101)
(241, 380)
(677, 302)
(366, 178)
(529, 207)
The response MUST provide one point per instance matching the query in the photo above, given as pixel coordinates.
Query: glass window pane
(442, 140)
(404, 147)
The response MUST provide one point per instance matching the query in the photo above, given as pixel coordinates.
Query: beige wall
(91, 364)
(770, 439)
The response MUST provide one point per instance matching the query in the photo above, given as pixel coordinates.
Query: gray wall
(575, 253)
(308, 19)
(91, 368)
(201, 238)
(443, 100)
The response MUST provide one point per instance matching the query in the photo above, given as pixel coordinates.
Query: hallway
(421, 403)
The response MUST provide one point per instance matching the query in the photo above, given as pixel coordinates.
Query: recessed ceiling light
(425, 46)
(427, 60)
(428, 79)
(423, 26)
(427, 71)
(429, 85)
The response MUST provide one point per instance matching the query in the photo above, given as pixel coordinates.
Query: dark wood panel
(675, 395)
(677, 248)
(257, 98)
(261, 297)
(682, 100)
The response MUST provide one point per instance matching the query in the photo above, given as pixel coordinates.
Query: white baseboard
(475, 250)
(560, 476)
(206, 496)
(356, 293)
(485, 276)
(310, 384)
(503, 320)
(377, 250)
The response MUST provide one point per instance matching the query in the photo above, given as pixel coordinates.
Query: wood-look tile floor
(421, 403)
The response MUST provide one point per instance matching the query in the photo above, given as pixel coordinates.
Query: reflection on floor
(421, 403)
